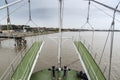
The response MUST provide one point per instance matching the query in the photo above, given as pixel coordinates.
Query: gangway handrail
(28, 65)
(14, 63)
(90, 49)
(89, 66)
(24, 69)
(17, 60)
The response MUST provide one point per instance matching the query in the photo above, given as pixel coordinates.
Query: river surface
(48, 55)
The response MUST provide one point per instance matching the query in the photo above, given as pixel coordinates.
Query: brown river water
(48, 55)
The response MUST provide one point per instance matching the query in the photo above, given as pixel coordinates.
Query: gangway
(93, 69)
(26, 66)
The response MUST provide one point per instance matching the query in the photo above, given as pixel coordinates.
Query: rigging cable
(105, 13)
(88, 17)
(104, 46)
(106, 6)
(89, 3)
(13, 11)
(9, 27)
(104, 49)
(88, 11)
(30, 16)
(8, 17)
(72, 62)
(112, 40)
(29, 3)
(87, 22)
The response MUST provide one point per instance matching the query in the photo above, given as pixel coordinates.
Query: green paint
(23, 69)
(46, 75)
(92, 67)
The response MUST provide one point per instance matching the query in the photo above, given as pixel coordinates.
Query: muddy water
(7, 54)
(48, 55)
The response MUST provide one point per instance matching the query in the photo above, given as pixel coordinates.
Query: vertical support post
(29, 10)
(60, 31)
(12, 67)
(8, 17)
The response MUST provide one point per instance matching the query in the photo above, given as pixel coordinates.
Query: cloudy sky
(45, 13)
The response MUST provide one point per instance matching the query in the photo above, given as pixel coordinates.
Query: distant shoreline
(28, 34)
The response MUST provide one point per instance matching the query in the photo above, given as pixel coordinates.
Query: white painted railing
(13, 65)
(92, 52)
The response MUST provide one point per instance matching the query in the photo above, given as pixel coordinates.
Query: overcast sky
(45, 13)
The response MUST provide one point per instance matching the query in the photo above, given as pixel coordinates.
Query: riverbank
(25, 34)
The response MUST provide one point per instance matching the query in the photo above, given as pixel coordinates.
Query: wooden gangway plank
(93, 69)
(23, 69)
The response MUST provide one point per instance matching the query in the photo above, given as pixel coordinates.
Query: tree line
(13, 27)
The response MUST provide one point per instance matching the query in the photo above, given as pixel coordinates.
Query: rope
(112, 41)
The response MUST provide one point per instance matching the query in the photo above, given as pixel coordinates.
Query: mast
(60, 31)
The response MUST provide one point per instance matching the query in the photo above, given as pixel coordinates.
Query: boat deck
(46, 75)
(48, 58)
(23, 69)
(93, 69)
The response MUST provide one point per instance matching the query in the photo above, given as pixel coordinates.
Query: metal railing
(13, 65)
(92, 52)
(89, 48)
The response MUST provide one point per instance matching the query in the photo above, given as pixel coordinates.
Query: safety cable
(111, 47)
(72, 63)
(112, 40)
(13, 11)
(30, 16)
(87, 22)
(104, 46)
(105, 12)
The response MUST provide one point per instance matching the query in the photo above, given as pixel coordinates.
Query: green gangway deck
(23, 69)
(46, 75)
(93, 69)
